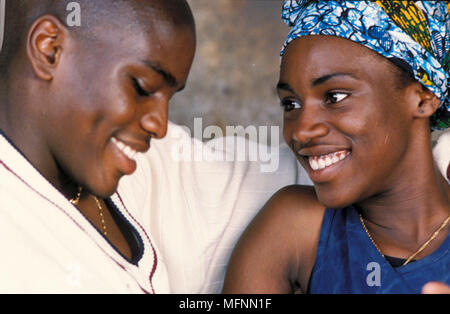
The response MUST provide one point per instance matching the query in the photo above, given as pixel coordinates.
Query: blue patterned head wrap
(417, 32)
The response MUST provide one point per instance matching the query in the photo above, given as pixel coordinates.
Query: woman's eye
(335, 97)
(139, 89)
(290, 104)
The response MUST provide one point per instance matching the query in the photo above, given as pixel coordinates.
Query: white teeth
(127, 150)
(321, 162)
(314, 164)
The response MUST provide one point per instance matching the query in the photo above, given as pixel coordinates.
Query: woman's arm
(277, 251)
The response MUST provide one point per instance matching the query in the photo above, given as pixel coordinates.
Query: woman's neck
(411, 208)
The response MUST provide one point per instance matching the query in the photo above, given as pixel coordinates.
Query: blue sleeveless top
(348, 262)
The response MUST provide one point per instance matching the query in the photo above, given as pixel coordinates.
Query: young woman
(361, 84)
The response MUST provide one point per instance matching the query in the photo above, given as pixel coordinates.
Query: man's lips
(125, 149)
(126, 154)
(130, 149)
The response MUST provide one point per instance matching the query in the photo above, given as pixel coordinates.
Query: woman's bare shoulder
(277, 250)
(295, 193)
(296, 203)
(293, 214)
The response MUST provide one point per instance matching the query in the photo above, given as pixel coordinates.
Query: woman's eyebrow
(318, 81)
(285, 86)
(325, 78)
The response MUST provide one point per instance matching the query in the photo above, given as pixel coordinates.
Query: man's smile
(125, 149)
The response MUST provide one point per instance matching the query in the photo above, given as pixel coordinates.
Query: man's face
(110, 97)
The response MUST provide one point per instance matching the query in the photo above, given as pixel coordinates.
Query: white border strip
(2, 22)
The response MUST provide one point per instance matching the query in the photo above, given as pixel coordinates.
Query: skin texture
(72, 94)
(436, 288)
(333, 103)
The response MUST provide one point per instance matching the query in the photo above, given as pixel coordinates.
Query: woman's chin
(333, 202)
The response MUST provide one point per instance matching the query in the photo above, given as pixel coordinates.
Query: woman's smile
(324, 161)
(324, 167)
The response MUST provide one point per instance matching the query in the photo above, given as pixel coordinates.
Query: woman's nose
(308, 125)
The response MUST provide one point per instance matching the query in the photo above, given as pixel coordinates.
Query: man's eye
(335, 97)
(139, 89)
(290, 104)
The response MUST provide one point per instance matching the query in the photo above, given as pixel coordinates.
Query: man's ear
(45, 45)
(424, 102)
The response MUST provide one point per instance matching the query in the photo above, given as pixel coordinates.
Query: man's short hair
(116, 14)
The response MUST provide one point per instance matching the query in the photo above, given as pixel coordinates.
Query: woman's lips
(324, 167)
(320, 162)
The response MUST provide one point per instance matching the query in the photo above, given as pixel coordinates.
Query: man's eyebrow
(323, 79)
(169, 78)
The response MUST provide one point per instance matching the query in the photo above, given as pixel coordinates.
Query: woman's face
(345, 118)
(113, 99)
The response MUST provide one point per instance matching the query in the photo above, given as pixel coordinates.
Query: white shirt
(198, 209)
(441, 153)
(188, 215)
(48, 246)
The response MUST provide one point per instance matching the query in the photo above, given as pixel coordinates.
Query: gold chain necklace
(102, 217)
(411, 257)
(76, 200)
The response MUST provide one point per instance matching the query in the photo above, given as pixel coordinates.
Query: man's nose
(155, 118)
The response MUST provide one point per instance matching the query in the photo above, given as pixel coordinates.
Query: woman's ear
(425, 102)
(45, 45)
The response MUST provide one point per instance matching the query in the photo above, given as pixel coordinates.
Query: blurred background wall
(236, 67)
